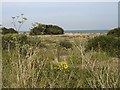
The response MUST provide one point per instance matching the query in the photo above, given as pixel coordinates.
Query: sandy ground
(70, 34)
(74, 34)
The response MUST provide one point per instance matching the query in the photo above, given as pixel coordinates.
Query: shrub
(100, 56)
(109, 44)
(21, 39)
(37, 31)
(114, 32)
(41, 29)
(8, 39)
(117, 47)
(53, 30)
(12, 40)
(8, 31)
(65, 44)
(35, 42)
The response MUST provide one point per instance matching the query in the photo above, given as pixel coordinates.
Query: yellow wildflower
(61, 65)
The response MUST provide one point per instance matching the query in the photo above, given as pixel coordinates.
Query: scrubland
(45, 63)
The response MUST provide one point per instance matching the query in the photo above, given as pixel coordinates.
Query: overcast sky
(68, 15)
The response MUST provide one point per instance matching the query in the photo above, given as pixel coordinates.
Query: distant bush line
(37, 29)
(109, 43)
(114, 32)
(42, 29)
(8, 31)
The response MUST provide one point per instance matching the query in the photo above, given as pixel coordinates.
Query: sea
(86, 31)
(80, 31)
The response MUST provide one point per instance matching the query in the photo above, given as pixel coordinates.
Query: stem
(58, 53)
(20, 26)
(14, 24)
(8, 47)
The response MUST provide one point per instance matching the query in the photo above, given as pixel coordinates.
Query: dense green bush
(53, 30)
(13, 40)
(37, 31)
(114, 32)
(8, 31)
(8, 40)
(21, 39)
(109, 44)
(66, 44)
(35, 42)
(42, 29)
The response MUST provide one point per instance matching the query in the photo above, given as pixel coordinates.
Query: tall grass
(36, 69)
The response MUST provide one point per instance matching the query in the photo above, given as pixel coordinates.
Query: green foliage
(65, 44)
(20, 40)
(37, 31)
(13, 40)
(35, 42)
(8, 31)
(100, 56)
(75, 59)
(114, 32)
(7, 59)
(26, 65)
(30, 66)
(8, 39)
(41, 29)
(100, 77)
(53, 30)
(109, 44)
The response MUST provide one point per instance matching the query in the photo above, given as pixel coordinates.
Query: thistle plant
(18, 21)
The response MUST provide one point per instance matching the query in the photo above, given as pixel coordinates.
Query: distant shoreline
(86, 31)
(79, 31)
(75, 33)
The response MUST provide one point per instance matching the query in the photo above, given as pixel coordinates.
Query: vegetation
(39, 68)
(65, 44)
(109, 43)
(8, 31)
(42, 29)
(114, 32)
(18, 21)
(58, 61)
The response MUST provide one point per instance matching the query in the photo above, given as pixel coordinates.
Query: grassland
(75, 68)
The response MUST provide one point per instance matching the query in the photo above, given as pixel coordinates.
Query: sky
(68, 15)
(60, 0)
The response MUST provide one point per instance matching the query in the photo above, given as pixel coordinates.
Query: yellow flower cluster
(61, 65)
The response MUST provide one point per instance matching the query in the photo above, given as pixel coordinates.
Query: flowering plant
(62, 65)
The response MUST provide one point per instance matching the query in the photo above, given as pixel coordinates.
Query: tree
(114, 32)
(11, 30)
(42, 29)
(108, 44)
(38, 29)
(8, 31)
(54, 30)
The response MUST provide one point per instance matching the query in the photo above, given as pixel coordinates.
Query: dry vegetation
(40, 67)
